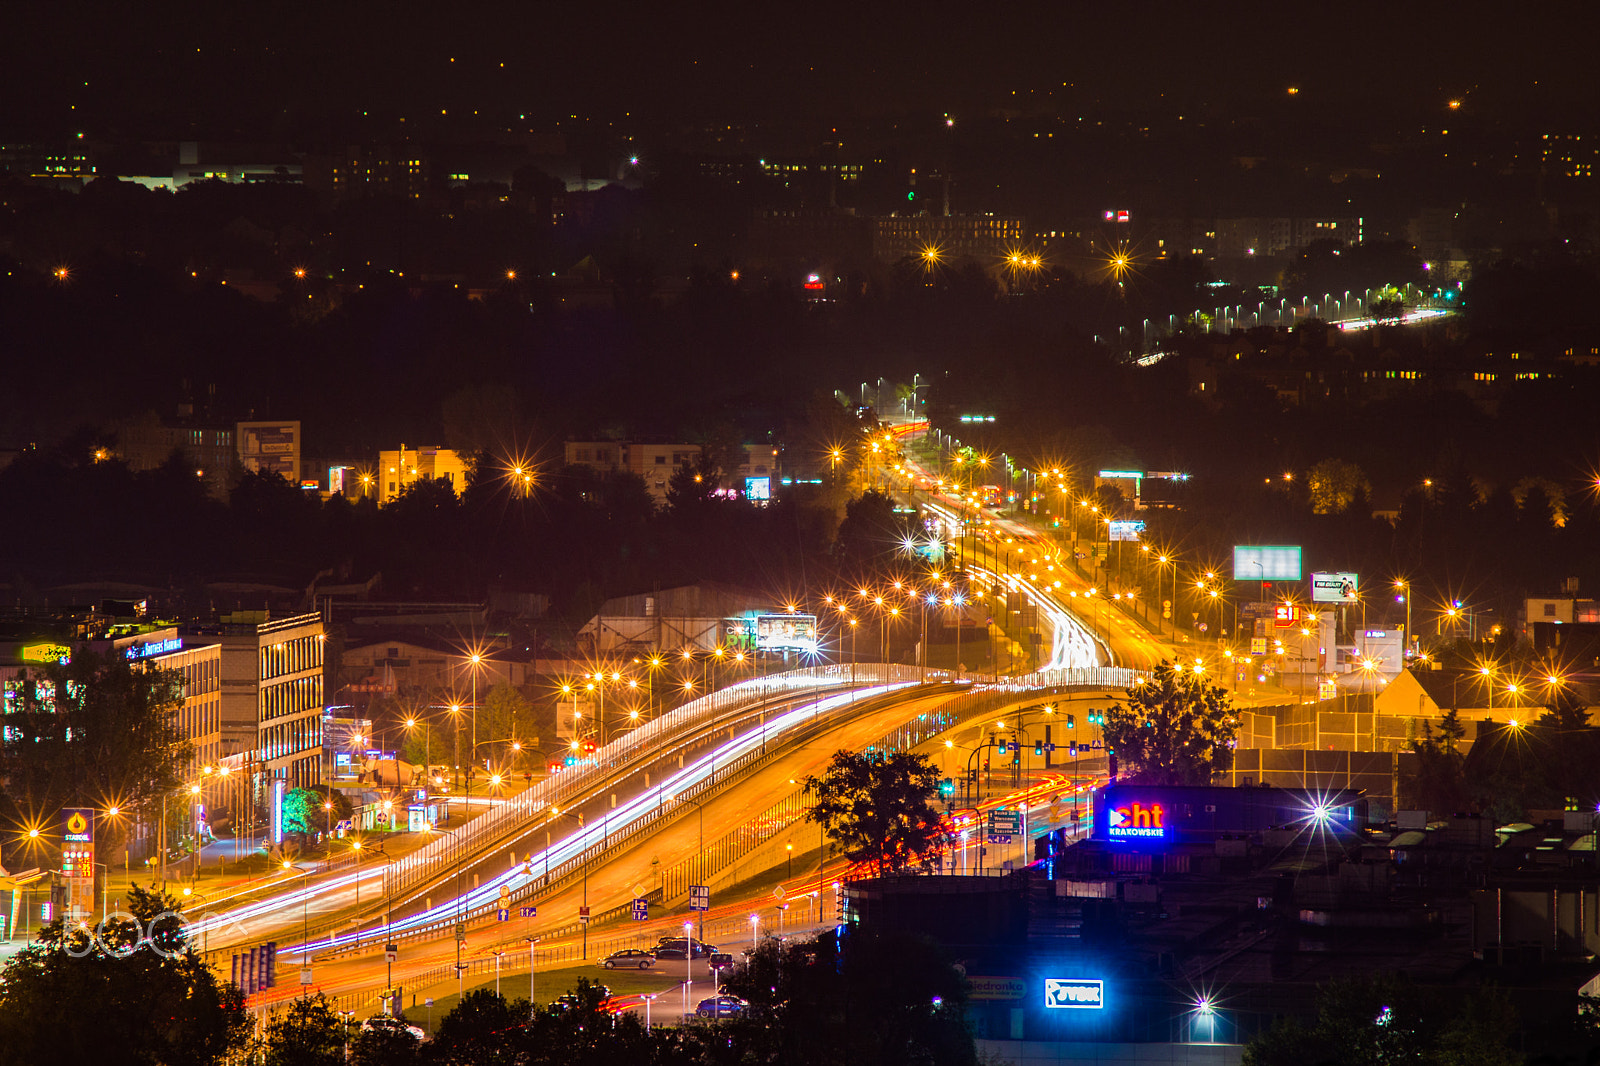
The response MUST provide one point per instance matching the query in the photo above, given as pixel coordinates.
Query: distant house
(1422, 693)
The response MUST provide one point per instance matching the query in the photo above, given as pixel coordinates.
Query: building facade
(401, 468)
(198, 664)
(272, 694)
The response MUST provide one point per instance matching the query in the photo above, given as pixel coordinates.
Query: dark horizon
(110, 70)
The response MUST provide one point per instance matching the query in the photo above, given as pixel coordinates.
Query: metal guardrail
(676, 879)
(544, 881)
(425, 862)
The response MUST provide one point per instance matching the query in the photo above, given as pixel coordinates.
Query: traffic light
(947, 787)
(1038, 747)
(1071, 722)
(1002, 743)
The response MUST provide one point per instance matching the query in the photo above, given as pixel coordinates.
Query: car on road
(721, 1007)
(720, 960)
(629, 959)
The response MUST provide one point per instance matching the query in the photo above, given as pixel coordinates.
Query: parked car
(721, 1007)
(568, 1001)
(384, 1021)
(720, 960)
(684, 946)
(629, 959)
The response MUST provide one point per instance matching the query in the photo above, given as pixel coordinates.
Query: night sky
(305, 70)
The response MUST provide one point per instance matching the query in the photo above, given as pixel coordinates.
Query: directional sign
(502, 914)
(1005, 821)
(699, 897)
(641, 910)
(999, 838)
(583, 914)
(530, 912)
(391, 951)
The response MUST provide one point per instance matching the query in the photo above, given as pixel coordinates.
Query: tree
(95, 732)
(865, 999)
(877, 809)
(871, 533)
(1436, 782)
(483, 1028)
(505, 716)
(305, 813)
(1334, 485)
(385, 1045)
(309, 1033)
(152, 1000)
(1386, 1019)
(1176, 728)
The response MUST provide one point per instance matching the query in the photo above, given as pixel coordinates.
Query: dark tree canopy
(877, 808)
(1176, 728)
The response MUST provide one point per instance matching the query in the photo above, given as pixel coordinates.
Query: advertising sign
(1335, 587)
(786, 632)
(46, 653)
(997, 987)
(758, 488)
(1137, 820)
(1126, 530)
(279, 785)
(1070, 992)
(270, 448)
(77, 860)
(1271, 562)
(150, 649)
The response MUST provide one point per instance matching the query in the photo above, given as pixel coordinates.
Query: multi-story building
(272, 690)
(653, 462)
(198, 663)
(945, 237)
(146, 443)
(398, 469)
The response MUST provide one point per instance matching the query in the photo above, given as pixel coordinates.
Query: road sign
(999, 838)
(502, 914)
(1258, 645)
(428, 1003)
(391, 951)
(699, 897)
(641, 910)
(778, 893)
(461, 932)
(305, 975)
(1050, 747)
(530, 912)
(391, 956)
(583, 914)
(1005, 821)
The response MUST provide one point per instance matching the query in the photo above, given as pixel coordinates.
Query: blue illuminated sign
(153, 648)
(1062, 993)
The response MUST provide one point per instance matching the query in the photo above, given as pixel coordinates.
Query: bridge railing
(443, 852)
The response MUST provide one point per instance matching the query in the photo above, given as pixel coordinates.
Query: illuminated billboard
(1271, 562)
(1335, 587)
(1062, 993)
(758, 488)
(270, 448)
(786, 632)
(1126, 530)
(45, 653)
(1137, 819)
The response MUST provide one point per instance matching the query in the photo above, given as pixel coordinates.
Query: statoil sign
(1136, 819)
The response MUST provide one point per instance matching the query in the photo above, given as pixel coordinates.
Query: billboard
(1270, 562)
(270, 448)
(1069, 992)
(1126, 530)
(758, 488)
(786, 632)
(1336, 586)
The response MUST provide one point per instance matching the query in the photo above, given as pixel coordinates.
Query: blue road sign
(699, 897)
(999, 838)
(502, 914)
(530, 912)
(641, 910)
